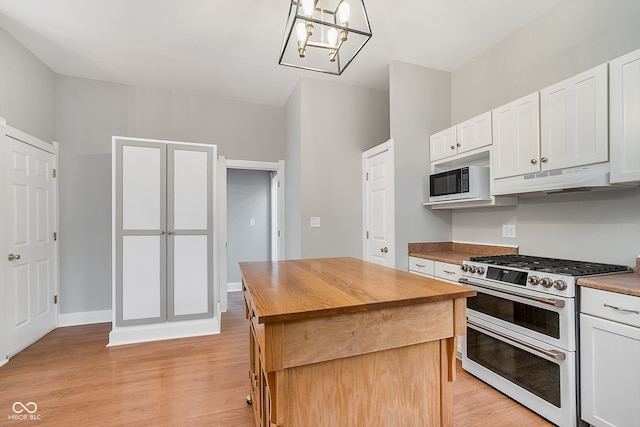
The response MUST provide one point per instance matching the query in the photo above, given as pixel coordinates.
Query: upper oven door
(547, 318)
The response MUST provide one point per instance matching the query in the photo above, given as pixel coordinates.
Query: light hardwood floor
(75, 380)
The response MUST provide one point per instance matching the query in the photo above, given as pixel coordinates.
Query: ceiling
(231, 48)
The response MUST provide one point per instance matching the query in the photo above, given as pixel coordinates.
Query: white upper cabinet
(624, 104)
(466, 136)
(443, 144)
(516, 137)
(574, 121)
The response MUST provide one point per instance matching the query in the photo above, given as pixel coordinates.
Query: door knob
(384, 250)
(12, 257)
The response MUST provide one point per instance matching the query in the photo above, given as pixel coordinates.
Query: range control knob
(560, 285)
(546, 282)
(472, 269)
(464, 267)
(480, 270)
(534, 280)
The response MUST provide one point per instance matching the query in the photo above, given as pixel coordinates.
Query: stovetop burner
(551, 265)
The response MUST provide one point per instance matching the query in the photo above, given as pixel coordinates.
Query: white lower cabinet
(610, 358)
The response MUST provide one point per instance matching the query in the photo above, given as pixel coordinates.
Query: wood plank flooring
(75, 380)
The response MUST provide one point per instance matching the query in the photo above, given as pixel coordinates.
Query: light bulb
(332, 36)
(307, 7)
(301, 31)
(343, 12)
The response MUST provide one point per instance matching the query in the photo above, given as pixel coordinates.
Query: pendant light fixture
(324, 35)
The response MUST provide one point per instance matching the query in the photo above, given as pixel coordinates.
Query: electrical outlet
(314, 222)
(509, 230)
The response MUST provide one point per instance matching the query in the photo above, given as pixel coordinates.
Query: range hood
(569, 180)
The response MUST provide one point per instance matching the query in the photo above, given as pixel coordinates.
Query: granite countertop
(621, 283)
(455, 253)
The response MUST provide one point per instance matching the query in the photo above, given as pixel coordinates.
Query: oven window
(534, 374)
(533, 318)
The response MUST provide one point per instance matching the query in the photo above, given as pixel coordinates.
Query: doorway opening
(251, 218)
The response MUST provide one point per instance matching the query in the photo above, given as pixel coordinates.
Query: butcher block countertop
(455, 253)
(307, 288)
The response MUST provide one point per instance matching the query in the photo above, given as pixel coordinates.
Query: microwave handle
(554, 354)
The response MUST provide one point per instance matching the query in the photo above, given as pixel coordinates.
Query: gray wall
(248, 197)
(27, 90)
(89, 112)
(569, 38)
(419, 106)
(329, 126)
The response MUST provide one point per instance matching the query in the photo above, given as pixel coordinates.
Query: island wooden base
(391, 366)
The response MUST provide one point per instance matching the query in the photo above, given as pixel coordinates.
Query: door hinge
(55, 236)
(278, 184)
(55, 299)
(367, 234)
(55, 172)
(278, 233)
(367, 177)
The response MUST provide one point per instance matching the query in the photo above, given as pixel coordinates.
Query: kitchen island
(343, 342)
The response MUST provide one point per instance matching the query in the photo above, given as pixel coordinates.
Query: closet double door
(164, 240)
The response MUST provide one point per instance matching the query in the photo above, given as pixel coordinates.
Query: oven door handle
(548, 301)
(554, 354)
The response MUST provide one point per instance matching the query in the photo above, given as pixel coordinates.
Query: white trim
(162, 141)
(30, 140)
(163, 331)
(84, 318)
(234, 286)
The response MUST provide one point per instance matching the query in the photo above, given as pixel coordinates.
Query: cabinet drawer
(446, 271)
(419, 265)
(611, 305)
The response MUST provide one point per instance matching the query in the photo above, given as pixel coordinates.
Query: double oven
(522, 329)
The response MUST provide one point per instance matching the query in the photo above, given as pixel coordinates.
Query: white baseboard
(163, 331)
(84, 318)
(234, 286)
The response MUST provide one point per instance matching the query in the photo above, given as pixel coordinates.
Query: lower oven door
(539, 376)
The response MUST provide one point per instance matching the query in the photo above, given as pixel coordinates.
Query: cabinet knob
(12, 257)
(543, 160)
(384, 250)
(458, 144)
(453, 147)
(534, 161)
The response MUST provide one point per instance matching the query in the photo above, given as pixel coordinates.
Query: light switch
(252, 221)
(314, 222)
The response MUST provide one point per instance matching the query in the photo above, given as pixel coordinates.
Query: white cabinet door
(516, 137)
(189, 232)
(574, 121)
(609, 372)
(443, 144)
(624, 104)
(474, 133)
(140, 233)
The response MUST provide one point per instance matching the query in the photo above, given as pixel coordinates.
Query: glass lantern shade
(318, 48)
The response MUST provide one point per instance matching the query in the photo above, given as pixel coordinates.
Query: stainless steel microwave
(468, 182)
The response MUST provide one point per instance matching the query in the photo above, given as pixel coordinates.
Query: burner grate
(551, 265)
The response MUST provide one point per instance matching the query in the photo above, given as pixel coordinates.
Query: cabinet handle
(534, 161)
(625, 310)
(420, 265)
(448, 272)
(544, 160)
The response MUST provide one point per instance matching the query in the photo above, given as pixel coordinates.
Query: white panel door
(574, 121)
(140, 232)
(30, 209)
(379, 205)
(190, 232)
(443, 144)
